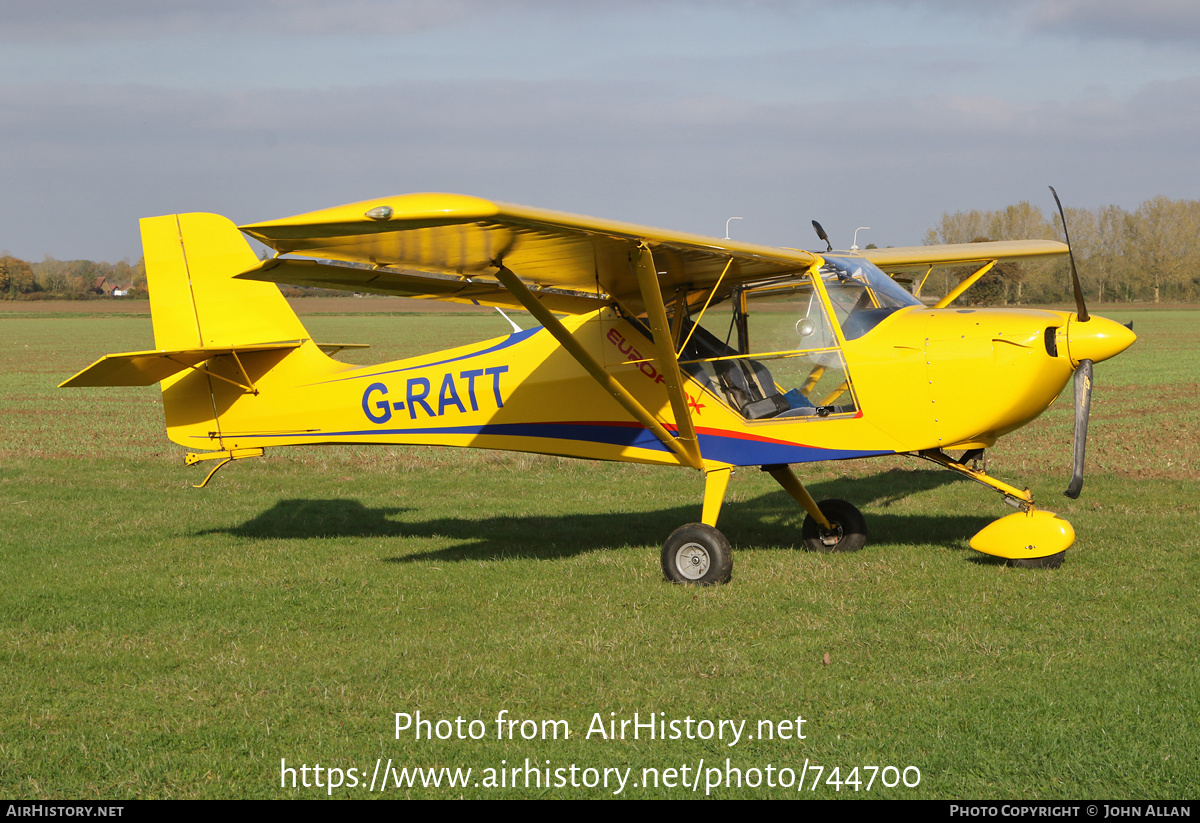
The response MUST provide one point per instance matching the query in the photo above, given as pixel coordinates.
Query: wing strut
(699, 317)
(549, 322)
(920, 286)
(963, 286)
(664, 348)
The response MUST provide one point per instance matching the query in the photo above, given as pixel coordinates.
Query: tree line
(1150, 254)
(54, 279)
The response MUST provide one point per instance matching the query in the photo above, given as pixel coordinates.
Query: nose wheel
(697, 554)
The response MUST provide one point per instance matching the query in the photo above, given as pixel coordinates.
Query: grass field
(164, 642)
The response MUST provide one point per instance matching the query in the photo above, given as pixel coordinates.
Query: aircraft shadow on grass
(771, 519)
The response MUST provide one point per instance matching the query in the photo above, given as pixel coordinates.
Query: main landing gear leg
(831, 525)
(715, 484)
(697, 553)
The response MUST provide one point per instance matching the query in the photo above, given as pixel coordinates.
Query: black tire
(1051, 562)
(697, 554)
(849, 528)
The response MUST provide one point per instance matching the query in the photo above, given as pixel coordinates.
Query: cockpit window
(787, 362)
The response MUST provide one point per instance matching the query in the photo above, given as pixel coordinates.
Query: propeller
(1083, 373)
(1080, 308)
(1083, 405)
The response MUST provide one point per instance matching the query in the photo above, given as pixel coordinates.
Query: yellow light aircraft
(653, 347)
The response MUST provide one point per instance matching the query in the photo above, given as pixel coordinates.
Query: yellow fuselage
(922, 379)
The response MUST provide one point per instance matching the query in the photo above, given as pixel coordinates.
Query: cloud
(634, 151)
(64, 20)
(68, 20)
(1151, 21)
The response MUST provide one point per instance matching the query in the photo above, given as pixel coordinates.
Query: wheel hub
(692, 561)
(832, 537)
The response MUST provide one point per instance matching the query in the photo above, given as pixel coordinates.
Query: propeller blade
(1083, 406)
(1080, 309)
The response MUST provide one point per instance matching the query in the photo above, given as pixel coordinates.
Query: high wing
(915, 258)
(573, 264)
(446, 247)
(913, 264)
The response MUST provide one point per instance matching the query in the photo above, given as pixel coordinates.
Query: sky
(670, 113)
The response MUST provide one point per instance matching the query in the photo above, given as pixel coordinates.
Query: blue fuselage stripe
(736, 451)
(511, 340)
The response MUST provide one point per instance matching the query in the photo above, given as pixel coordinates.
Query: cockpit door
(788, 363)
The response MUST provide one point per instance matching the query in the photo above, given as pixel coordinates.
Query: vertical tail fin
(195, 302)
(229, 352)
(191, 260)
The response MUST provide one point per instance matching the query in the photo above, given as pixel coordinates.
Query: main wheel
(697, 554)
(1051, 562)
(849, 533)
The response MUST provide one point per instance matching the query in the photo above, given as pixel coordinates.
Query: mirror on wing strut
(821, 234)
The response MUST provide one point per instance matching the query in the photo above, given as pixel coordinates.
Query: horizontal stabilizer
(145, 368)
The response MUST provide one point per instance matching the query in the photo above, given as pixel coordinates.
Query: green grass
(162, 641)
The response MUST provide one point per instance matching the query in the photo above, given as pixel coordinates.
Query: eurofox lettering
(626, 348)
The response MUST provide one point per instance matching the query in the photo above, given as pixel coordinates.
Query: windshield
(861, 294)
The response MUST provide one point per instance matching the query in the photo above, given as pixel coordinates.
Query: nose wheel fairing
(1027, 535)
